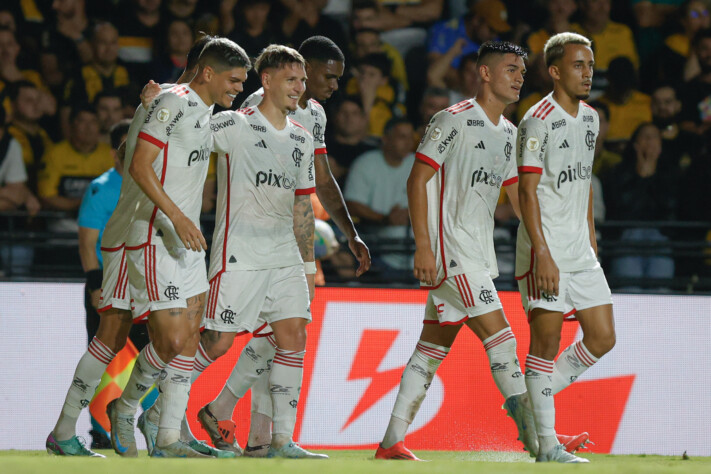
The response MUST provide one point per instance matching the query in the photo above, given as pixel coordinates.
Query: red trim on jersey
(299, 125)
(468, 288)
(316, 103)
(213, 294)
(540, 107)
(458, 105)
(162, 182)
(471, 106)
(530, 169)
(441, 234)
(426, 159)
(245, 111)
(150, 139)
(454, 323)
(548, 112)
(566, 316)
(510, 181)
(302, 192)
(320, 151)
(142, 318)
(545, 106)
(588, 106)
(113, 249)
(227, 214)
(178, 88)
(259, 329)
(122, 270)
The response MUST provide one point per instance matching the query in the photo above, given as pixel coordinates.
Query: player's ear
(554, 72)
(484, 72)
(266, 80)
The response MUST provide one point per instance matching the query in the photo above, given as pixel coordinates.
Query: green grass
(343, 462)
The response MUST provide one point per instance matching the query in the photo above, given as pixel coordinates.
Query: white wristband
(310, 268)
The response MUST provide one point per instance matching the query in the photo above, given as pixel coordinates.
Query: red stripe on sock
(98, 356)
(508, 335)
(433, 353)
(580, 352)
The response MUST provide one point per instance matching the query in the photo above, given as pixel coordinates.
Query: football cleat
(573, 443)
(206, 449)
(149, 430)
(123, 438)
(74, 446)
(256, 451)
(179, 449)
(559, 454)
(519, 409)
(292, 450)
(221, 432)
(396, 451)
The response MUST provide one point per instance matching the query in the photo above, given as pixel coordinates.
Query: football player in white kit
(115, 304)
(556, 251)
(164, 246)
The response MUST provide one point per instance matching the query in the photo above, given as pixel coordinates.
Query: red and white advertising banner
(649, 395)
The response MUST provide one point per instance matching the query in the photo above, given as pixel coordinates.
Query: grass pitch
(345, 462)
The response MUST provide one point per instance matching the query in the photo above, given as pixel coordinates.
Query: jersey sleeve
(163, 115)
(254, 99)
(438, 139)
(307, 174)
(319, 132)
(224, 127)
(531, 143)
(15, 166)
(91, 209)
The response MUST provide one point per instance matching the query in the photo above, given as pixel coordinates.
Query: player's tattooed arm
(304, 226)
(329, 193)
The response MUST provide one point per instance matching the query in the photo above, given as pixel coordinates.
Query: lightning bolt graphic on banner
(374, 346)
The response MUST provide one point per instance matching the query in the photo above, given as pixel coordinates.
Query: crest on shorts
(163, 115)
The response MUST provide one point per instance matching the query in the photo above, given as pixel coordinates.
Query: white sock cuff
(182, 363)
(100, 351)
(584, 354)
(152, 358)
(202, 360)
(289, 358)
(272, 341)
(542, 366)
(501, 337)
(432, 351)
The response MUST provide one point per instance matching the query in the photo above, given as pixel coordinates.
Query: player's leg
(260, 427)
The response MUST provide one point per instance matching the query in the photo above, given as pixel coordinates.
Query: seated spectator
(696, 98)
(610, 40)
(368, 41)
(138, 23)
(558, 21)
(70, 165)
(678, 146)
(604, 160)
(173, 51)
(26, 129)
(102, 74)
(632, 193)
(651, 18)
(349, 136)
(304, 19)
(109, 111)
(376, 193)
(183, 9)
(378, 91)
(402, 24)
(628, 106)
(434, 100)
(468, 79)
(450, 40)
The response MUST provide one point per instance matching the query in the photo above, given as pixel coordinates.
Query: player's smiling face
(323, 78)
(286, 86)
(224, 86)
(507, 78)
(574, 71)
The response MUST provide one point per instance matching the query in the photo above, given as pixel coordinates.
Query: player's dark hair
(196, 49)
(222, 54)
(600, 107)
(320, 48)
(630, 154)
(118, 131)
(700, 35)
(79, 108)
(348, 98)
(499, 48)
(99, 24)
(276, 56)
(379, 61)
(394, 122)
(108, 93)
(14, 88)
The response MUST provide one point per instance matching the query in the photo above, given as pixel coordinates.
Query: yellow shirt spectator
(625, 118)
(68, 173)
(91, 82)
(615, 40)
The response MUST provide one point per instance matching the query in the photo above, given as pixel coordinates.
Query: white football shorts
(115, 291)
(461, 297)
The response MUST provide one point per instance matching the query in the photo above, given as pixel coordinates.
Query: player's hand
(361, 252)
(425, 266)
(96, 298)
(189, 234)
(149, 92)
(547, 274)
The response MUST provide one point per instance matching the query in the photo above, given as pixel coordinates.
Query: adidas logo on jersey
(564, 144)
(480, 145)
(197, 124)
(260, 144)
(233, 259)
(452, 264)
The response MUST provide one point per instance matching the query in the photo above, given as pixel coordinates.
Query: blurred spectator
(379, 93)
(678, 146)
(651, 17)
(628, 106)
(109, 112)
(368, 41)
(467, 79)
(696, 98)
(304, 19)
(183, 9)
(538, 84)
(70, 165)
(610, 40)
(26, 129)
(434, 100)
(102, 74)
(349, 137)
(641, 190)
(10, 72)
(403, 24)
(173, 51)
(558, 21)
(376, 193)
(139, 26)
(450, 40)
(605, 160)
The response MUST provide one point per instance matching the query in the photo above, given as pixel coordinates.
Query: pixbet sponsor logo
(578, 172)
(272, 179)
(490, 178)
(196, 156)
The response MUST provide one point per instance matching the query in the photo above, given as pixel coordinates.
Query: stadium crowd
(72, 69)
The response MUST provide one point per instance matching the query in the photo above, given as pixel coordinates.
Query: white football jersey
(473, 158)
(561, 149)
(259, 171)
(178, 122)
(312, 117)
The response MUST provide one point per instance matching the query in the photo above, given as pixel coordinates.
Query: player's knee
(603, 343)
(216, 344)
(116, 344)
(171, 345)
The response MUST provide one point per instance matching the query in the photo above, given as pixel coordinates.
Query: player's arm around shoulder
(226, 129)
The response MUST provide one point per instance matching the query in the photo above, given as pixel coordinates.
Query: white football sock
(505, 368)
(146, 370)
(175, 390)
(539, 373)
(571, 364)
(87, 377)
(416, 379)
(285, 385)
